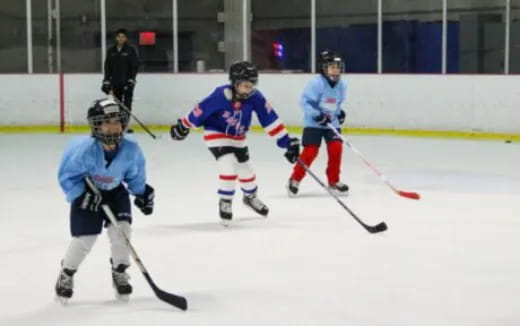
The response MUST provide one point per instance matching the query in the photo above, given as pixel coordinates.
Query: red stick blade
(410, 195)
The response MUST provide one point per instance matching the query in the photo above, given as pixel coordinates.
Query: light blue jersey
(319, 97)
(84, 156)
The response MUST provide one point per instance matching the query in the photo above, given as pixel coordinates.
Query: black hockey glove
(322, 119)
(145, 201)
(130, 84)
(341, 117)
(106, 87)
(293, 150)
(89, 201)
(178, 131)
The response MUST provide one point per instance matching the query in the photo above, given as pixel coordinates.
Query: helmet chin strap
(109, 139)
(239, 96)
(332, 82)
(110, 147)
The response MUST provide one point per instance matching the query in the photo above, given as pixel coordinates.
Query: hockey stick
(406, 194)
(133, 116)
(174, 300)
(372, 229)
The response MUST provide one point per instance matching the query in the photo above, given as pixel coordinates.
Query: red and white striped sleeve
(271, 122)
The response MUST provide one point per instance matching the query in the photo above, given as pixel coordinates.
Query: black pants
(242, 153)
(84, 222)
(313, 136)
(125, 96)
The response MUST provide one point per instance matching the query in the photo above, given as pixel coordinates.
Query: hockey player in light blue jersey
(321, 102)
(226, 116)
(110, 160)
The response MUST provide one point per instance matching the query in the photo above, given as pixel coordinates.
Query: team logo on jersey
(231, 121)
(226, 114)
(330, 100)
(268, 106)
(103, 179)
(197, 111)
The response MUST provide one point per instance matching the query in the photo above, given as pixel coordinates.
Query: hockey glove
(130, 84)
(145, 201)
(322, 119)
(341, 117)
(106, 87)
(90, 201)
(178, 131)
(293, 150)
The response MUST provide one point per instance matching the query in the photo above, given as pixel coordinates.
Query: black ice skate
(120, 282)
(340, 188)
(255, 204)
(292, 187)
(65, 285)
(226, 214)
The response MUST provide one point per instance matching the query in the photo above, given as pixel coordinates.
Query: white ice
(451, 258)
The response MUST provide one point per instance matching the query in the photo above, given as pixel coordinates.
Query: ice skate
(255, 204)
(225, 210)
(120, 282)
(65, 285)
(292, 187)
(339, 188)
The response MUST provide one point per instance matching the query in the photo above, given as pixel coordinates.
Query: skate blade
(257, 212)
(225, 223)
(290, 193)
(62, 300)
(340, 193)
(123, 298)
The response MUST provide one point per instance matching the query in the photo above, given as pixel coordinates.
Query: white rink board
(419, 102)
(29, 99)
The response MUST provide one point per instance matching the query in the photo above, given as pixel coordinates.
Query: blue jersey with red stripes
(227, 121)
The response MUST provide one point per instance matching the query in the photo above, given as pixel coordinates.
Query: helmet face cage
(331, 59)
(243, 71)
(111, 113)
(339, 64)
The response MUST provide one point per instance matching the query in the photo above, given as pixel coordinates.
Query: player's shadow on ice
(306, 194)
(80, 311)
(238, 223)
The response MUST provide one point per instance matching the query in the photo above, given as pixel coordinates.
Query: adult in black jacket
(121, 66)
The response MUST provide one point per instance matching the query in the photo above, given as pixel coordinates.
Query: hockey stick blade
(406, 194)
(174, 300)
(381, 227)
(410, 195)
(371, 229)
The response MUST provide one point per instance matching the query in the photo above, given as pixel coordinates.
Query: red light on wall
(146, 38)
(278, 50)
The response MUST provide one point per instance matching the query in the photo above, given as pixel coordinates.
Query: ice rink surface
(451, 258)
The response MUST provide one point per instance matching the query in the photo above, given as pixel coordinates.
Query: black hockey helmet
(243, 71)
(330, 58)
(106, 110)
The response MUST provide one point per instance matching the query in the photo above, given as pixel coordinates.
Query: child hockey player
(226, 117)
(321, 104)
(109, 159)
